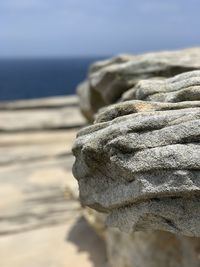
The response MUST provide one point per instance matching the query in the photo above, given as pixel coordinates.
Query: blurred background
(46, 48)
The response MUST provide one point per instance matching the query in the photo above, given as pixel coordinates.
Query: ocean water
(36, 78)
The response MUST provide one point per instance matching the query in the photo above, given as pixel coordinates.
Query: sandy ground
(41, 221)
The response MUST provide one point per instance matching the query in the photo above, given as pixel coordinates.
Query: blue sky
(35, 28)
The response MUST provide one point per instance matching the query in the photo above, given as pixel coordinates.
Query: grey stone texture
(145, 248)
(140, 161)
(182, 87)
(143, 169)
(138, 165)
(108, 80)
(152, 249)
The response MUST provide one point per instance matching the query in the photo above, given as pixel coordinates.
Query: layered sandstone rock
(41, 220)
(182, 87)
(139, 164)
(44, 114)
(108, 80)
(143, 169)
(152, 249)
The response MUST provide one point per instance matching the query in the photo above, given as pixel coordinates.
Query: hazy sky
(96, 27)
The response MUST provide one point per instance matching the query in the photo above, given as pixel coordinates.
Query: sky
(54, 28)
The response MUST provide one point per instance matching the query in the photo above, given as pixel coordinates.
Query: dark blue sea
(36, 78)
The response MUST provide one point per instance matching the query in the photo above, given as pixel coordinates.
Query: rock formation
(182, 87)
(108, 80)
(139, 163)
(152, 249)
(143, 169)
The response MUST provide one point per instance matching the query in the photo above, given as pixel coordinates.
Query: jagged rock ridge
(108, 80)
(140, 163)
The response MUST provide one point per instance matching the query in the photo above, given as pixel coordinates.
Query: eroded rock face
(108, 80)
(152, 249)
(182, 87)
(90, 101)
(140, 163)
(129, 107)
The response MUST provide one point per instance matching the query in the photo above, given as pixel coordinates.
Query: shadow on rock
(86, 240)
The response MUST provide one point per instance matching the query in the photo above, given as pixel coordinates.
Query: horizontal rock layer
(136, 106)
(40, 103)
(44, 114)
(109, 79)
(39, 209)
(36, 185)
(182, 87)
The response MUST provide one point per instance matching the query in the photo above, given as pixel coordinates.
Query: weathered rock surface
(109, 79)
(145, 248)
(182, 87)
(41, 118)
(41, 221)
(152, 249)
(40, 103)
(28, 146)
(143, 169)
(139, 162)
(90, 101)
(136, 106)
(35, 168)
